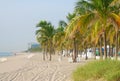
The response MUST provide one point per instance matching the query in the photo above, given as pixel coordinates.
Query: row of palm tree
(52, 39)
(45, 35)
(93, 24)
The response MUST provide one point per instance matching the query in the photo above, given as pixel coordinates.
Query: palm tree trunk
(67, 52)
(86, 54)
(44, 54)
(50, 51)
(101, 54)
(94, 52)
(74, 55)
(46, 51)
(112, 51)
(98, 51)
(50, 57)
(105, 46)
(116, 42)
(61, 53)
(109, 51)
(77, 51)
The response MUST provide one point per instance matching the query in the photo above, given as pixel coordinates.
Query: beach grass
(105, 70)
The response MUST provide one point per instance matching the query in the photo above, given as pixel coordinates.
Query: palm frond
(77, 22)
(115, 18)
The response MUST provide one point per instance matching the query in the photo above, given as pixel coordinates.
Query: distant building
(33, 45)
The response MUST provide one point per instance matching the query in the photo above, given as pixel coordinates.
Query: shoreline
(11, 63)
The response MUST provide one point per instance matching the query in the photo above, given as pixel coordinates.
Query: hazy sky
(18, 19)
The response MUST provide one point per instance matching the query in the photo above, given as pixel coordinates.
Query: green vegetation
(37, 49)
(106, 70)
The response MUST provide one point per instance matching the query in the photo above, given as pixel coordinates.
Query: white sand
(3, 59)
(30, 67)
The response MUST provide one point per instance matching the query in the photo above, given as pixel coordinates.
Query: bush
(107, 69)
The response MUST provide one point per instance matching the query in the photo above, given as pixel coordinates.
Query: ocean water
(6, 54)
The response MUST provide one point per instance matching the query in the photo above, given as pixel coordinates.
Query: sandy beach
(31, 67)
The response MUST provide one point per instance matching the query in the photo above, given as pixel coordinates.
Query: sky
(18, 19)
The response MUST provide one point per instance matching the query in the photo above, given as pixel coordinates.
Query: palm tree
(59, 37)
(69, 17)
(41, 37)
(90, 11)
(45, 34)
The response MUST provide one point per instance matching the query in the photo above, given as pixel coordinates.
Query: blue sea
(6, 54)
